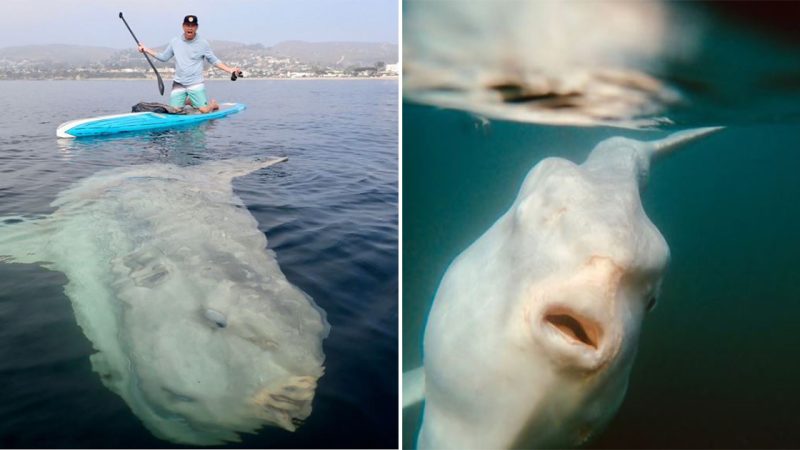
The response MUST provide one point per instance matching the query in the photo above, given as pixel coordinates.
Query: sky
(155, 22)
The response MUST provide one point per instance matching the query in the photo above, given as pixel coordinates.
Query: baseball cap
(190, 20)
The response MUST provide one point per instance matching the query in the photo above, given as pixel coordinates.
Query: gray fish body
(157, 258)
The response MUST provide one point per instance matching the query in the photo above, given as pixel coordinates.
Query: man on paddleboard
(189, 52)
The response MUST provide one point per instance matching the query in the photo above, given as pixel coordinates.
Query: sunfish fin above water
(232, 168)
(413, 387)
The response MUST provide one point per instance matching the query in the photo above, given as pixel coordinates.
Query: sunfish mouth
(575, 338)
(576, 329)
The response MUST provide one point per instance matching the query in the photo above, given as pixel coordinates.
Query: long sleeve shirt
(189, 57)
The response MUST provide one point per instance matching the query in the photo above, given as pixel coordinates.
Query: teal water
(717, 362)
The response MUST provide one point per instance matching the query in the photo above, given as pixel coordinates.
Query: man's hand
(147, 51)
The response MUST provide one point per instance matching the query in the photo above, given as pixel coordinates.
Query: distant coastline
(287, 60)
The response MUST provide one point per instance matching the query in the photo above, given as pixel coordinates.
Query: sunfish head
(202, 374)
(534, 327)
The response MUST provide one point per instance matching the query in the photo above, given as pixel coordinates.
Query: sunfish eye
(216, 317)
(651, 303)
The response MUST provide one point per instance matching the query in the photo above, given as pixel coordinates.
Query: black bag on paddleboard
(156, 108)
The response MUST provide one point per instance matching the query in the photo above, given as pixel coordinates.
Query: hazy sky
(96, 22)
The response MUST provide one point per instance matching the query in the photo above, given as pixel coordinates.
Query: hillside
(57, 54)
(331, 54)
(340, 54)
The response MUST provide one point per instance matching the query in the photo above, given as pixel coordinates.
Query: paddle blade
(120, 14)
(160, 84)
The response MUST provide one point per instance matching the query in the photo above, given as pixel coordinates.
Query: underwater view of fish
(534, 327)
(194, 324)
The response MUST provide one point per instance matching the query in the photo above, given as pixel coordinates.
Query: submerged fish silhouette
(194, 324)
(534, 327)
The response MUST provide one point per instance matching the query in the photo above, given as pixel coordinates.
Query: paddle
(160, 81)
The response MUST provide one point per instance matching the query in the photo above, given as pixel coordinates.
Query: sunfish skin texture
(194, 324)
(534, 327)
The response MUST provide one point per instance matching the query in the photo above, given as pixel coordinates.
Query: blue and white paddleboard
(142, 121)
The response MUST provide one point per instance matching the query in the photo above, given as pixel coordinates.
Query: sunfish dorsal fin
(678, 139)
(231, 168)
(23, 240)
(623, 156)
(413, 387)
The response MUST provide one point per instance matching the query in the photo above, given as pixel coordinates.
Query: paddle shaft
(158, 75)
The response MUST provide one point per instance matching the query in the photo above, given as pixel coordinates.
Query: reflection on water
(181, 143)
(620, 63)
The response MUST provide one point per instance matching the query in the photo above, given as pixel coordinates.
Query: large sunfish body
(534, 327)
(194, 324)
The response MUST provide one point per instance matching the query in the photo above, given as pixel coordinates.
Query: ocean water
(329, 214)
(716, 365)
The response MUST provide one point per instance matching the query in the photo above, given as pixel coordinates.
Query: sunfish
(534, 327)
(194, 324)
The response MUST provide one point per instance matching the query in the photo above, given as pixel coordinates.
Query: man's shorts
(195, 92)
